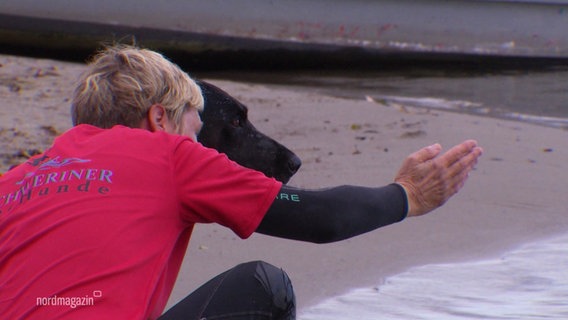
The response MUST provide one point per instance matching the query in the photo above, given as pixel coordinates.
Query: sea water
(534, 95)
(530, 282)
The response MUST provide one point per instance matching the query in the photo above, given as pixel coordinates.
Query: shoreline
(515, 195)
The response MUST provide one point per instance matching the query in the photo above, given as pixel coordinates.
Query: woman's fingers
(431, 179)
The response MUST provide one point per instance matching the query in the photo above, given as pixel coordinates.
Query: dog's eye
(236, 122)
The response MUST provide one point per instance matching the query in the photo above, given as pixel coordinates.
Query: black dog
(227, 129)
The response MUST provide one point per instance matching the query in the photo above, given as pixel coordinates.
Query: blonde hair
(123, 82)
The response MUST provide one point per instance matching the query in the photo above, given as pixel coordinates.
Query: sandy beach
(515, 195)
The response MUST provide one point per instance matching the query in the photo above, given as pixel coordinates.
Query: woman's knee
(277, 286)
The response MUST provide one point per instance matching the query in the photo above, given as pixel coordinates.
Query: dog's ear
(206, 89)
(214, 94)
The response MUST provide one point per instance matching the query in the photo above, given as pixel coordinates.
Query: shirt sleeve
(214, 189)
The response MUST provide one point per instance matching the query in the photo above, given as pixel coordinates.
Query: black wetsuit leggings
(253, 290)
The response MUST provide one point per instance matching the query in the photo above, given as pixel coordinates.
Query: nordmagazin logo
(71, 302)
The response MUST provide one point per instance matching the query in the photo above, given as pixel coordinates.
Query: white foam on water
(471, 107)
(528, 283)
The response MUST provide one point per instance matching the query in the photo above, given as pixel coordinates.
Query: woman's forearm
(334, 214)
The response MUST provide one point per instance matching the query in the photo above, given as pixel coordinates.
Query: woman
(96, 227)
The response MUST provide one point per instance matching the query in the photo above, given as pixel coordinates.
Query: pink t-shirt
(97, 226)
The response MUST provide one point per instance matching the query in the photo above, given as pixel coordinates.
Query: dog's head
(226, 127)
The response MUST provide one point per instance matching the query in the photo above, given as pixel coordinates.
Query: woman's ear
(157, 118)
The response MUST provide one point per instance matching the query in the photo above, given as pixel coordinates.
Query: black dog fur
(226, 127)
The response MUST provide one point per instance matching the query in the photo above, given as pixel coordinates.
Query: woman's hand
(430, 179)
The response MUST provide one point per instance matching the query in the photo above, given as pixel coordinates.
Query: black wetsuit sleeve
(334, 214)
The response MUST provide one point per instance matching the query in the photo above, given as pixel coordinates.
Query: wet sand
(515, 196)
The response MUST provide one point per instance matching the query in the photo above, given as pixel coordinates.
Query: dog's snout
(294, 164)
